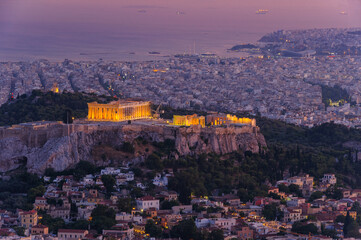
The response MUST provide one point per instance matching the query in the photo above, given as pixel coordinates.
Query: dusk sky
(51, 28)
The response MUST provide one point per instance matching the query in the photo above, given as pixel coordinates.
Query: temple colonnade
(119, 111)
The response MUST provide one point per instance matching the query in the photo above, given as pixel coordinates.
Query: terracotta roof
(29, 212)
(293, 211)
(6, 231)
(325, 216)
(40, 226)
(147, 198)
(90, 236)
(72, 230)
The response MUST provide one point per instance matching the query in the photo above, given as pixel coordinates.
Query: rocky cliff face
(65, 149)
(221, 140)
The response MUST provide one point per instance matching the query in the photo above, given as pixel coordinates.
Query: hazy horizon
(113, 29)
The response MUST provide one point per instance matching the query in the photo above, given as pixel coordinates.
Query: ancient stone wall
(61, 146)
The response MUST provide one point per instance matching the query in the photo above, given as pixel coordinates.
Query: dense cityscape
(192, 146)
(289, 89)
(117, 198)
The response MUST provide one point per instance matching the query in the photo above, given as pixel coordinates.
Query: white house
(160, 181)
(85, 211)
(295, 202)
(88, 179)
(128, 217)
(203, 222)
(292, 215)
(109, 171)
(182, 208)
(129, 176)
(123, 217)
(295, 180)
(329, 179)
(141, 185)
(120, 180)
(147, 202)
(71, 234)
(225, 223)
(46, 179)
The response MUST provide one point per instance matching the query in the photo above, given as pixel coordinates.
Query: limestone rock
(61, 146)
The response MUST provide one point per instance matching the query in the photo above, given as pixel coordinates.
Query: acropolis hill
(42, 145)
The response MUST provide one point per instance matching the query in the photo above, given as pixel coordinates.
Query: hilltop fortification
(42, 145)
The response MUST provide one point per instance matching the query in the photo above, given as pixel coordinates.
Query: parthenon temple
(118, 111)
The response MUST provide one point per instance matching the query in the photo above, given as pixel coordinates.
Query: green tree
(169, 204)
(243, 195)
(315, 195)
(109, 182)
(216, 234)
(125, 204)
(136, 192)
(35, 192)
(283, 188)
(152, 229)
(340, 219)
(73, 208)
(270, 212)
(186, 230)
(80, 224)
(304, 228)
(53, 223)
(329, 232)
(350, 227)
(137, 172)
(154, 162)
(68, 117)
(82, 169)
(186, 183)
(274, 196)
(356, 207)
(295, 189)
(103, 217)
(20, 231)
(337, 194)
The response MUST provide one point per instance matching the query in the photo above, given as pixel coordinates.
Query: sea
(134, 30)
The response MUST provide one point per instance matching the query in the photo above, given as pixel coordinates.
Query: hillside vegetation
(48, 106)
(291, 150)
(334, 96)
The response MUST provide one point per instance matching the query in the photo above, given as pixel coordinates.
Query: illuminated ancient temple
(223, 119)
(118, 111)
(189, 120)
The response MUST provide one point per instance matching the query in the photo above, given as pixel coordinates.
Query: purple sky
(61, 28)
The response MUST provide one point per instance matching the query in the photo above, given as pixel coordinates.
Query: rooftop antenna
(194, 47)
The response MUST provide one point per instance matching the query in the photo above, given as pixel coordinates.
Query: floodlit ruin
(118, 111)
(189, 120)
